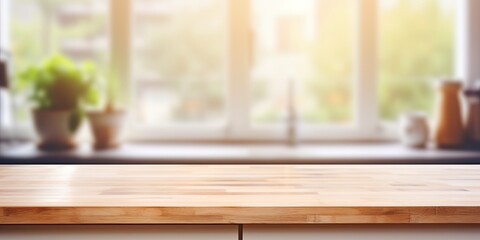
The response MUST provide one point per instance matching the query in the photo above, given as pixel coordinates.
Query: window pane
(180, 61)
(39, 28)
(76, 28)
(416, 47)
(311, 42)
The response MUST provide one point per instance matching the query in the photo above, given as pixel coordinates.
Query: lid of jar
(472, 93)
(473, 90)
(449, 83)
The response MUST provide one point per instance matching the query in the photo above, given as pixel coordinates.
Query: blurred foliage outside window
(41, 28)
(416, 47)
(310, 42)
(180, 57)
(180, 61)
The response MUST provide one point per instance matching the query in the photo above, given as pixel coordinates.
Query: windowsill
(388, 153)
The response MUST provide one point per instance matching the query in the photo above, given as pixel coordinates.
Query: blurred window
(237, 65)
(40, 28)
(309, 42)
(417, 40)
(179, 61)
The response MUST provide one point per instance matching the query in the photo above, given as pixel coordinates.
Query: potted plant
(59, 90)
(106, 124)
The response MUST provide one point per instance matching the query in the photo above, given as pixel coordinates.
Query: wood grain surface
(239, 194)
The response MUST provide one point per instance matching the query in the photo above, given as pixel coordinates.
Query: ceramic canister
(472, 128)
(414, 131)
(448, 131)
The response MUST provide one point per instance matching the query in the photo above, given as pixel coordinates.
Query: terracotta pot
(56, 129)
(106, 128)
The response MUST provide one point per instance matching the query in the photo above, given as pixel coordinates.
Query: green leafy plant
(59, 84)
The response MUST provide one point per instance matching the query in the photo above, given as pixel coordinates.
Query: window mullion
(239, 66)
(120, 42)
(365, 96)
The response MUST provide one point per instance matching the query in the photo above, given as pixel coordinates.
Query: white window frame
(366, 125)
(239, 127)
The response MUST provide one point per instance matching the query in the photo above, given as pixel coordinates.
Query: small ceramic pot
(414, 131)
(106, 128)
(56, 129)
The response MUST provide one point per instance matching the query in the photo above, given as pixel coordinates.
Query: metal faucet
(291, 114)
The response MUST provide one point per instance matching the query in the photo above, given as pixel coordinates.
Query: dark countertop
(241, 154)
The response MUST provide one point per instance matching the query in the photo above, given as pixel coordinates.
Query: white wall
(468, 40)
(4, 6)
(4, 99)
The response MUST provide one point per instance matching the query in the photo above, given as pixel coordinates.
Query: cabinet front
(119, 232)
(361, 232)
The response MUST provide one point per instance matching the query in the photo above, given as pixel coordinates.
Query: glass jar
(472, 130)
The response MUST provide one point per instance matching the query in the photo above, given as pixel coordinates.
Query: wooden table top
(239, 194)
